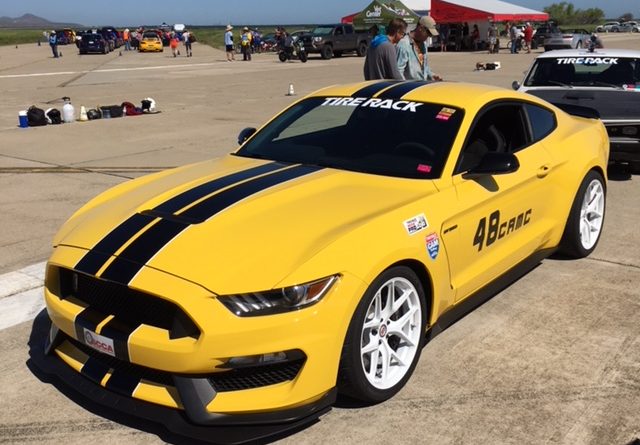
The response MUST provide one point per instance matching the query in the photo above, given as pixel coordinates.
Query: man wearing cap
(53, 43)
(245, 44)
(228, 43)
(412, 51)
(381, 59)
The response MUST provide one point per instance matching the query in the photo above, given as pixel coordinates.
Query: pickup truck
(334, 40)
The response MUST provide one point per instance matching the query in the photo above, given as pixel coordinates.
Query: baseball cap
(428, 23)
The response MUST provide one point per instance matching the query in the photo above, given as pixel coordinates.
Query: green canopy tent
(380, 12)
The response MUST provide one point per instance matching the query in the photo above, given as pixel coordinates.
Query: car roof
(586, 53)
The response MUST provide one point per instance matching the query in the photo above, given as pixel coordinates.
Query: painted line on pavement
(109, 70)
(21, 295)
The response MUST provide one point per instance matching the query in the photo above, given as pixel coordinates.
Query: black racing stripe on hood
(190, 196)
(216, 203)
(142, 249)
(396, 92)
(93, 260)
(371, 90)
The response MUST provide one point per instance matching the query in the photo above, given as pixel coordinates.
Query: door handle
(543, 171)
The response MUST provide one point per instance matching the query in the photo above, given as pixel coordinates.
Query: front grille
(125, 304)
(256, 377)
(235, 380)
(133, 371)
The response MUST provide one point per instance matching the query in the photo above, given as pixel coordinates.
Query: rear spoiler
(578, 110)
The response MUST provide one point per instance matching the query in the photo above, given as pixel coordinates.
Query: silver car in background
(567, 39)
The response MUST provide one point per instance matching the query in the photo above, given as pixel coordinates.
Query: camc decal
(496, 229)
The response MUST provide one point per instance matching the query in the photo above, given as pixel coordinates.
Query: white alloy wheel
(391, 333)
(592, 214)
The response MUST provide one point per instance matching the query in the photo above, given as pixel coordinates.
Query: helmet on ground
(148, 105)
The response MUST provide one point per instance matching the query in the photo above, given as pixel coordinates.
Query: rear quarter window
(542, 121)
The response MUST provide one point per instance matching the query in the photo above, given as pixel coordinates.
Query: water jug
(68, 112)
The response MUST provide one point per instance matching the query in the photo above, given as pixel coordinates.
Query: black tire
(571, 244)
(362, 49)
(326, 52)
(547, 48)
(303, 57)
(282, 56)
(352, 378)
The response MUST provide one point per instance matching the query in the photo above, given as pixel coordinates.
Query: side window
(499, 128)
(542, 121)
(348, 29)
(339, 30)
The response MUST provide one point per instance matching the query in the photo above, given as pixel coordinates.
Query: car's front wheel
(385, 337)
(586, 218)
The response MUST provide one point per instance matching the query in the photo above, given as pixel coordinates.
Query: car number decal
(487, 234)
(99, 342)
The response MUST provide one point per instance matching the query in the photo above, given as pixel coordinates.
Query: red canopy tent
(457, 11)
(470, 11)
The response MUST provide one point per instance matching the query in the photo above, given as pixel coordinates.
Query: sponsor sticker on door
(99, 342)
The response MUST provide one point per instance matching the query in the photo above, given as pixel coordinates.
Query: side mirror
(515, 85)
(494, 164)
(245, 134)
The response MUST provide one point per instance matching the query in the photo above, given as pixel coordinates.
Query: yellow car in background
(322, 255)
(151, 42)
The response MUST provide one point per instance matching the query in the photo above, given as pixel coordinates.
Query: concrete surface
(555, 358)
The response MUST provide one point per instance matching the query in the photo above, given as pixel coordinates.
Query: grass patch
(20, 36)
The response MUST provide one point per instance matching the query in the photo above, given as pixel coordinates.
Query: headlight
(278, 300)
(317, 39)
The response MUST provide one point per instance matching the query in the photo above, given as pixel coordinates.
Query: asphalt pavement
(554, 358)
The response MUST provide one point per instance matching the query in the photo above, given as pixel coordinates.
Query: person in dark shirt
(380, 62)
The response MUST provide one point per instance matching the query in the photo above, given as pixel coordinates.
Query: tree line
(565, 13)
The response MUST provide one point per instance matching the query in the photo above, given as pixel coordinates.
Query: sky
(217, 12)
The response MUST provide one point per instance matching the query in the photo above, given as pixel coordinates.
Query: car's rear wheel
(586, 218)
(385, 337)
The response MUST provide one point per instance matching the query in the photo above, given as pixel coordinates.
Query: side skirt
(483, 295)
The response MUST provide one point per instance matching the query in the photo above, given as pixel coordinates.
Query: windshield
(380, 136)
(587, 70)
(322, 30)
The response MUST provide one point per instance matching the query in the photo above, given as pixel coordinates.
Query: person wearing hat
(245, 44)
(126, 36)
(53, 43)
(228, 43)
(412, 51)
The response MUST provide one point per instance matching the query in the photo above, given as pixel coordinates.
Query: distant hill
(33, 21)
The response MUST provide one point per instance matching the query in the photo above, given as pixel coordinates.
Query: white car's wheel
(385, 337)
(586, 219)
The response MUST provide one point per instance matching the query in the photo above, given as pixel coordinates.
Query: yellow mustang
(323, 254)
(150, 42)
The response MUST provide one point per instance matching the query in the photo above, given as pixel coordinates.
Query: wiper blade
(606, 84)
(555, 82)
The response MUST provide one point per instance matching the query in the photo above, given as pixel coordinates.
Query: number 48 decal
(487, 234)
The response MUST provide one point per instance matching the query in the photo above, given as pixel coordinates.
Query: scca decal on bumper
(497, 230)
